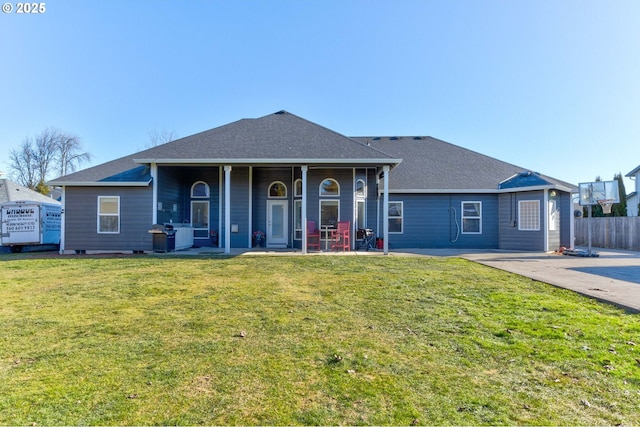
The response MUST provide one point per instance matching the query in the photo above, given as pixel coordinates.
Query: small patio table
(327, 229)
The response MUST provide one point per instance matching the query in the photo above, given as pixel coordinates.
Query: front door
(277, 223)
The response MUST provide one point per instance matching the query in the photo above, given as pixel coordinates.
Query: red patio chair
(313, 235)
(341, 236)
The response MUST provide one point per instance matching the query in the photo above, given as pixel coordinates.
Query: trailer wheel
(16, 249)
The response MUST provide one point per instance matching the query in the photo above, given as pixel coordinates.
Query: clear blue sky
(552, 86)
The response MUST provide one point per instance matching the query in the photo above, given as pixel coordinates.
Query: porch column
(227, 209)
(154, 184)
(385, 210)
(304, 169)
(250, 230)
(572, 223)
(545, 219)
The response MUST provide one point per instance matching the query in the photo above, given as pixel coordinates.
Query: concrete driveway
(613, 277)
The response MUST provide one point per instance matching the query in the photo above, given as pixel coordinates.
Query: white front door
(277, 223)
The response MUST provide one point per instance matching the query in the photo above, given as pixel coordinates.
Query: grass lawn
(305, 340)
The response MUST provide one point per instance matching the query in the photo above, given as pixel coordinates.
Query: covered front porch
(240, 206)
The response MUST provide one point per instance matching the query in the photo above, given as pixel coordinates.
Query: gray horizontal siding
(240, 207)
(511, 237)
(81, 217)
(435, 221)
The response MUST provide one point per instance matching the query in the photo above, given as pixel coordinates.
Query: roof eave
(262, 161)
(100, 183)
(633, 172)
(478, 190)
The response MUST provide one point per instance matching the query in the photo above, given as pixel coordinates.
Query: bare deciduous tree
(159, 137)
(51, 151)
(70, 155)
(23, 164)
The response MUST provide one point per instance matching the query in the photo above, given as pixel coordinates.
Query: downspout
(154, 189)
(62, 220)
(304, 169)
(227, 209)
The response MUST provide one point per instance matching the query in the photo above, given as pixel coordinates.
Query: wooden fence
(619, 232)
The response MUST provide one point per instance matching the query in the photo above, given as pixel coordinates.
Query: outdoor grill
(164, 237)
(366, 239)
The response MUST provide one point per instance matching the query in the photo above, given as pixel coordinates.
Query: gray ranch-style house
(275, 173)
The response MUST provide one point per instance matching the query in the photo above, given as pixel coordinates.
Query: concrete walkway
(613, 277)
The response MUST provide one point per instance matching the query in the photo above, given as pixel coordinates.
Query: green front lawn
(305, 340)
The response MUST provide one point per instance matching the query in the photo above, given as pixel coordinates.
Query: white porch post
(250, 230)
(304, 168)
(572, 224)
(220, 205)
(154, 183)
(385, 210)
(227, 209)
(545, 219)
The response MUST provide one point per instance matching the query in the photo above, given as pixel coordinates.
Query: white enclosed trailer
(26, 223)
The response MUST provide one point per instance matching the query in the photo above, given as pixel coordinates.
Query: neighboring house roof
(12, 192)
(432, 165)
(280, 138)
(633, 172)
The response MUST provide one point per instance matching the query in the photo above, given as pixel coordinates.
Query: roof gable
(633, 172)
(278, 138)
(524, 179)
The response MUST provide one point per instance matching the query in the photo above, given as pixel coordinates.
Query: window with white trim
(361, 188)
(329, 213)
(395, 211)
(108, 214)
(329, 187)
(554, 216)
(471, 217)
(200, 216)
(277, 190)
(297, 188)
(200, 190)
(529, 215)
(297, 218)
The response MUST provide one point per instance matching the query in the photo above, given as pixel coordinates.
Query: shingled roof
(13, 192)
(422, 164)
(432, 165)
(281, 138)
